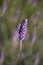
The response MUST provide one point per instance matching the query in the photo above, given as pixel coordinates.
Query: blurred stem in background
(1, 2)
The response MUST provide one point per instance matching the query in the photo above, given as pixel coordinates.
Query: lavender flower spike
(23, 29)
(4, 7)
(29, 1)
(34, 3)
(36, 59)
(2, 56)
(34, 36)
(36, 17)
(15, 38)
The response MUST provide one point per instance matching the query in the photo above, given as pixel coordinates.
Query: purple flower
(15, 38)
(36, 17)
(23, 29)
(4, 7)
(15, 35)
(30, 1)
(34, 36)
(34, 3)
(37, 14)
(2, 56)
(16, 15)
(36, 59)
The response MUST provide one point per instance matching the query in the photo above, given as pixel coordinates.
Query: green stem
(20, 50)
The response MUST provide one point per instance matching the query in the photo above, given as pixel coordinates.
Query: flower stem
(20, 51)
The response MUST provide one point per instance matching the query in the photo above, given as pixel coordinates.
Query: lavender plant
(16, 15)
(36, 17)
(15, 39)
(4, 7)
(34, 3)
(22, 34)
(2, 56)
(36, 59)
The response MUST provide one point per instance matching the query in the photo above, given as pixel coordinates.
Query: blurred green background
(9, 20)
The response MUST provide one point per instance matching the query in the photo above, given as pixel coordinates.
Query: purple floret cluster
(23, 29)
